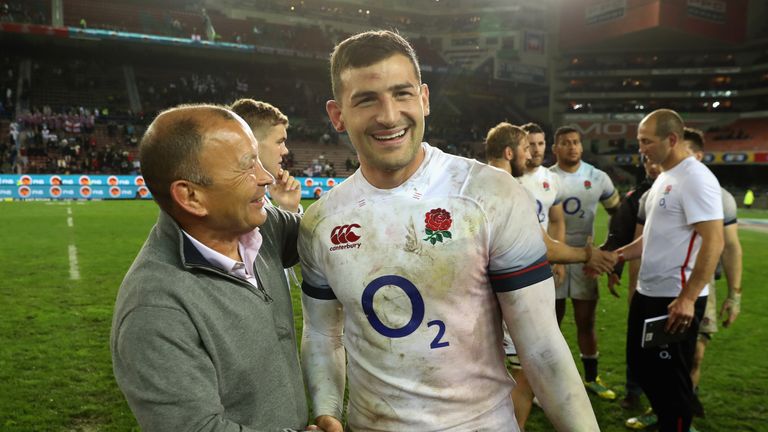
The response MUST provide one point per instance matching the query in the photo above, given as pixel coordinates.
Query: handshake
(596, 261)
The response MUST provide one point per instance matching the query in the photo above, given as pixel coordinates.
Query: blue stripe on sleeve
(317, 293)
(511, 281)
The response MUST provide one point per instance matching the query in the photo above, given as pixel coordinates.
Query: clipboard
(654, 334)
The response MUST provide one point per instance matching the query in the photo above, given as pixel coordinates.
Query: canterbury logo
(344, 234)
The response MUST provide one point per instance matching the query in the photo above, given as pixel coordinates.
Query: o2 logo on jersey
(572, 206)
(417, 310)
(540, 211)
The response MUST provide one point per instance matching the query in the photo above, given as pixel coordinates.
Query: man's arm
(634, 267)
(167, 376)
(556, 226)
(732, 266)
(556, 230)
(611, 204)
(323, 359)
(596, 259)
(286, 226)
(530, 316)
(681, 309)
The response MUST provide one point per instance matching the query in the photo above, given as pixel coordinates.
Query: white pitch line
(74, 269)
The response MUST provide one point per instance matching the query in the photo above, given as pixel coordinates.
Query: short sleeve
(641, 208)
(702, 197)
(729, 208)
(314, 283)
(606, 186)
(559, 192)
(517, 251)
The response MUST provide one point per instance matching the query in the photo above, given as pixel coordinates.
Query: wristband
(734, 298)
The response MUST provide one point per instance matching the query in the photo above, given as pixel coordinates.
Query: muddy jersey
(416, 269)
(581, 191)
(544, 185)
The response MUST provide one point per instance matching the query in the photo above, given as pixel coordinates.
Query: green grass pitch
(55, 370)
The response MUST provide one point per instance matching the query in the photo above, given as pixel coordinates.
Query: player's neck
(530, 169)
(390, 179)
(674, 158)
(569, 167)
(501, 164)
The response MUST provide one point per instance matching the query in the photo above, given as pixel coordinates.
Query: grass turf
(55, 370)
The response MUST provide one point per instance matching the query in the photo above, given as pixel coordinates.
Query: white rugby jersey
(544, 185)
(581, 191)
(687, 194)
(416, 269)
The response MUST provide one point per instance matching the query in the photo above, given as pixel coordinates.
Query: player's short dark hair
(171, 152)
(563, 130)
(667, 122)
(532, 128)
(500, 137)
(695, 137)
(365, 49)
(260, 116)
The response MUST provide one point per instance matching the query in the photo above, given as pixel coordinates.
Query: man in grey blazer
(202, 333)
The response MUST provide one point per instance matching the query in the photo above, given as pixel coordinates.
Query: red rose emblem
(587, 184)
(438, 222)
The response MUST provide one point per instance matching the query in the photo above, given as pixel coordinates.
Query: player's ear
(425, 98)
(190, 198)
(509, 154)
(333, 109)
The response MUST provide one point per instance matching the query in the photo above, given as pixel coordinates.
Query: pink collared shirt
(248, 245)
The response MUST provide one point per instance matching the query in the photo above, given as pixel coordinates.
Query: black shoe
(696, 407)
(630, 401)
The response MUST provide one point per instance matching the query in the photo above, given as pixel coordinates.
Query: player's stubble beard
(518, 168)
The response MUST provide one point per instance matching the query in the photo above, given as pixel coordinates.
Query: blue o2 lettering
(417, 310)
(572, 206)
(440, 332)
(540, 210)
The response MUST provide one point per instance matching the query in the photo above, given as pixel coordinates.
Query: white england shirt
(544, 185)
(581, 191)
(416, 269)
(687, 194)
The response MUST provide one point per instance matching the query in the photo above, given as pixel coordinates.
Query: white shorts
(576, 284)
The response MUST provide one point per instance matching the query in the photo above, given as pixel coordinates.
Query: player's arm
(681, 309)
(556, 227)
(610, 195)
(556, 230)
(732, 266)
(323, 359)
(560, 253)
(322, 351)
(530, 316)
(522, 279)
(611, 203)
(634, 266)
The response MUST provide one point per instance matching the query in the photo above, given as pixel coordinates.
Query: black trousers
(663, 372)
